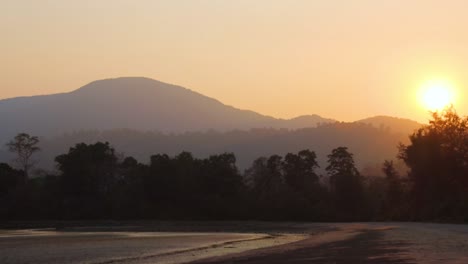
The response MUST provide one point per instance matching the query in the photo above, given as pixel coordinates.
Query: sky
(340, 59)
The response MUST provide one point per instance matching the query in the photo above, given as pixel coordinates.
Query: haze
(341, 59)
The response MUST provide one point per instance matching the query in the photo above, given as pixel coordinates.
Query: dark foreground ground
(246, 243)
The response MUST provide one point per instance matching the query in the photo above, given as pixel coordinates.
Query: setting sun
(436, 95)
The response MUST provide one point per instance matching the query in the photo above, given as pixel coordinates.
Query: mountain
(135, 103)
(141, 117)
(393, 124)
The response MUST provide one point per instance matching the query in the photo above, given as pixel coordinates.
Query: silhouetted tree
(437, 157)
(127, 194)
(9, 179)
(222, 185)
(394, 185)
(299, 170)
(375, 190)
(266, 175)
(24, 146)
(394, 191)
(87, 177)
(303, 182)
(160, 186)
(346, 184)
(268, 187)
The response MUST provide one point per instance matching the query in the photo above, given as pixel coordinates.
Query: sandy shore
(351, 244)
(50, 246)
(214, 243)
(369, 243)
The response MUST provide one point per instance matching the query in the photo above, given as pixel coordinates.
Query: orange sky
(341, 59)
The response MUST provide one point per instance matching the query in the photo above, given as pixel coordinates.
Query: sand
(273, 243)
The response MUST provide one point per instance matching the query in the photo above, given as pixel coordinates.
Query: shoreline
(104, 247)
(236, 243)
(310, 241)
(215, 251)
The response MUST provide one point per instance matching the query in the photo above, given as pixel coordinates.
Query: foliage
(438, 159)
(87, 177)
(346, 184)
(24, 146)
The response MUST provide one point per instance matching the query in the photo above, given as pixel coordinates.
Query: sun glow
(435, 95)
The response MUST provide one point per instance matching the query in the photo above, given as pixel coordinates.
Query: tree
(222, 185)
(88, 174)
(394, 190)
(303, 183)
(266, 175)
(9, 178)
(299, 170)
(24, 146)
(438, 160)
(267, 187)
(346, 184)
(160, 187)
(389, 170)
(341, 163)
(128, 196)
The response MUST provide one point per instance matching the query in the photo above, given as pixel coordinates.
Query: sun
(437, 94)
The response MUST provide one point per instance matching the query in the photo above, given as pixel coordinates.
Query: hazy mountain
(136, 114)
(394, 124)
(136, 103)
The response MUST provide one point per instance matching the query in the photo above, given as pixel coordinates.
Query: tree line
(94, 182)
(247, 145)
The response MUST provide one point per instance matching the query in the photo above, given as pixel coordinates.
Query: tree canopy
(438, 160)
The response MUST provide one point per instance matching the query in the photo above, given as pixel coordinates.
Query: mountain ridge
(130, 102)
(141, 116)
(144, 104)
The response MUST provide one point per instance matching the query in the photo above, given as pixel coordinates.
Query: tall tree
(222, 184)
(299, 170)
(88, 174)
(394, 189)
(24, 146)
(267, 187)
(438, 160)
(346, 184)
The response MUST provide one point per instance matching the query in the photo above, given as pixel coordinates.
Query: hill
(135, 103)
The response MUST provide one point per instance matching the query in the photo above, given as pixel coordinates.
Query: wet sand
(59, 247)
(50, 246)
(305, 243)
(351, 246)
(376, 243)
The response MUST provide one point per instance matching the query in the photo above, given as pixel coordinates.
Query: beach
(195, 243)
